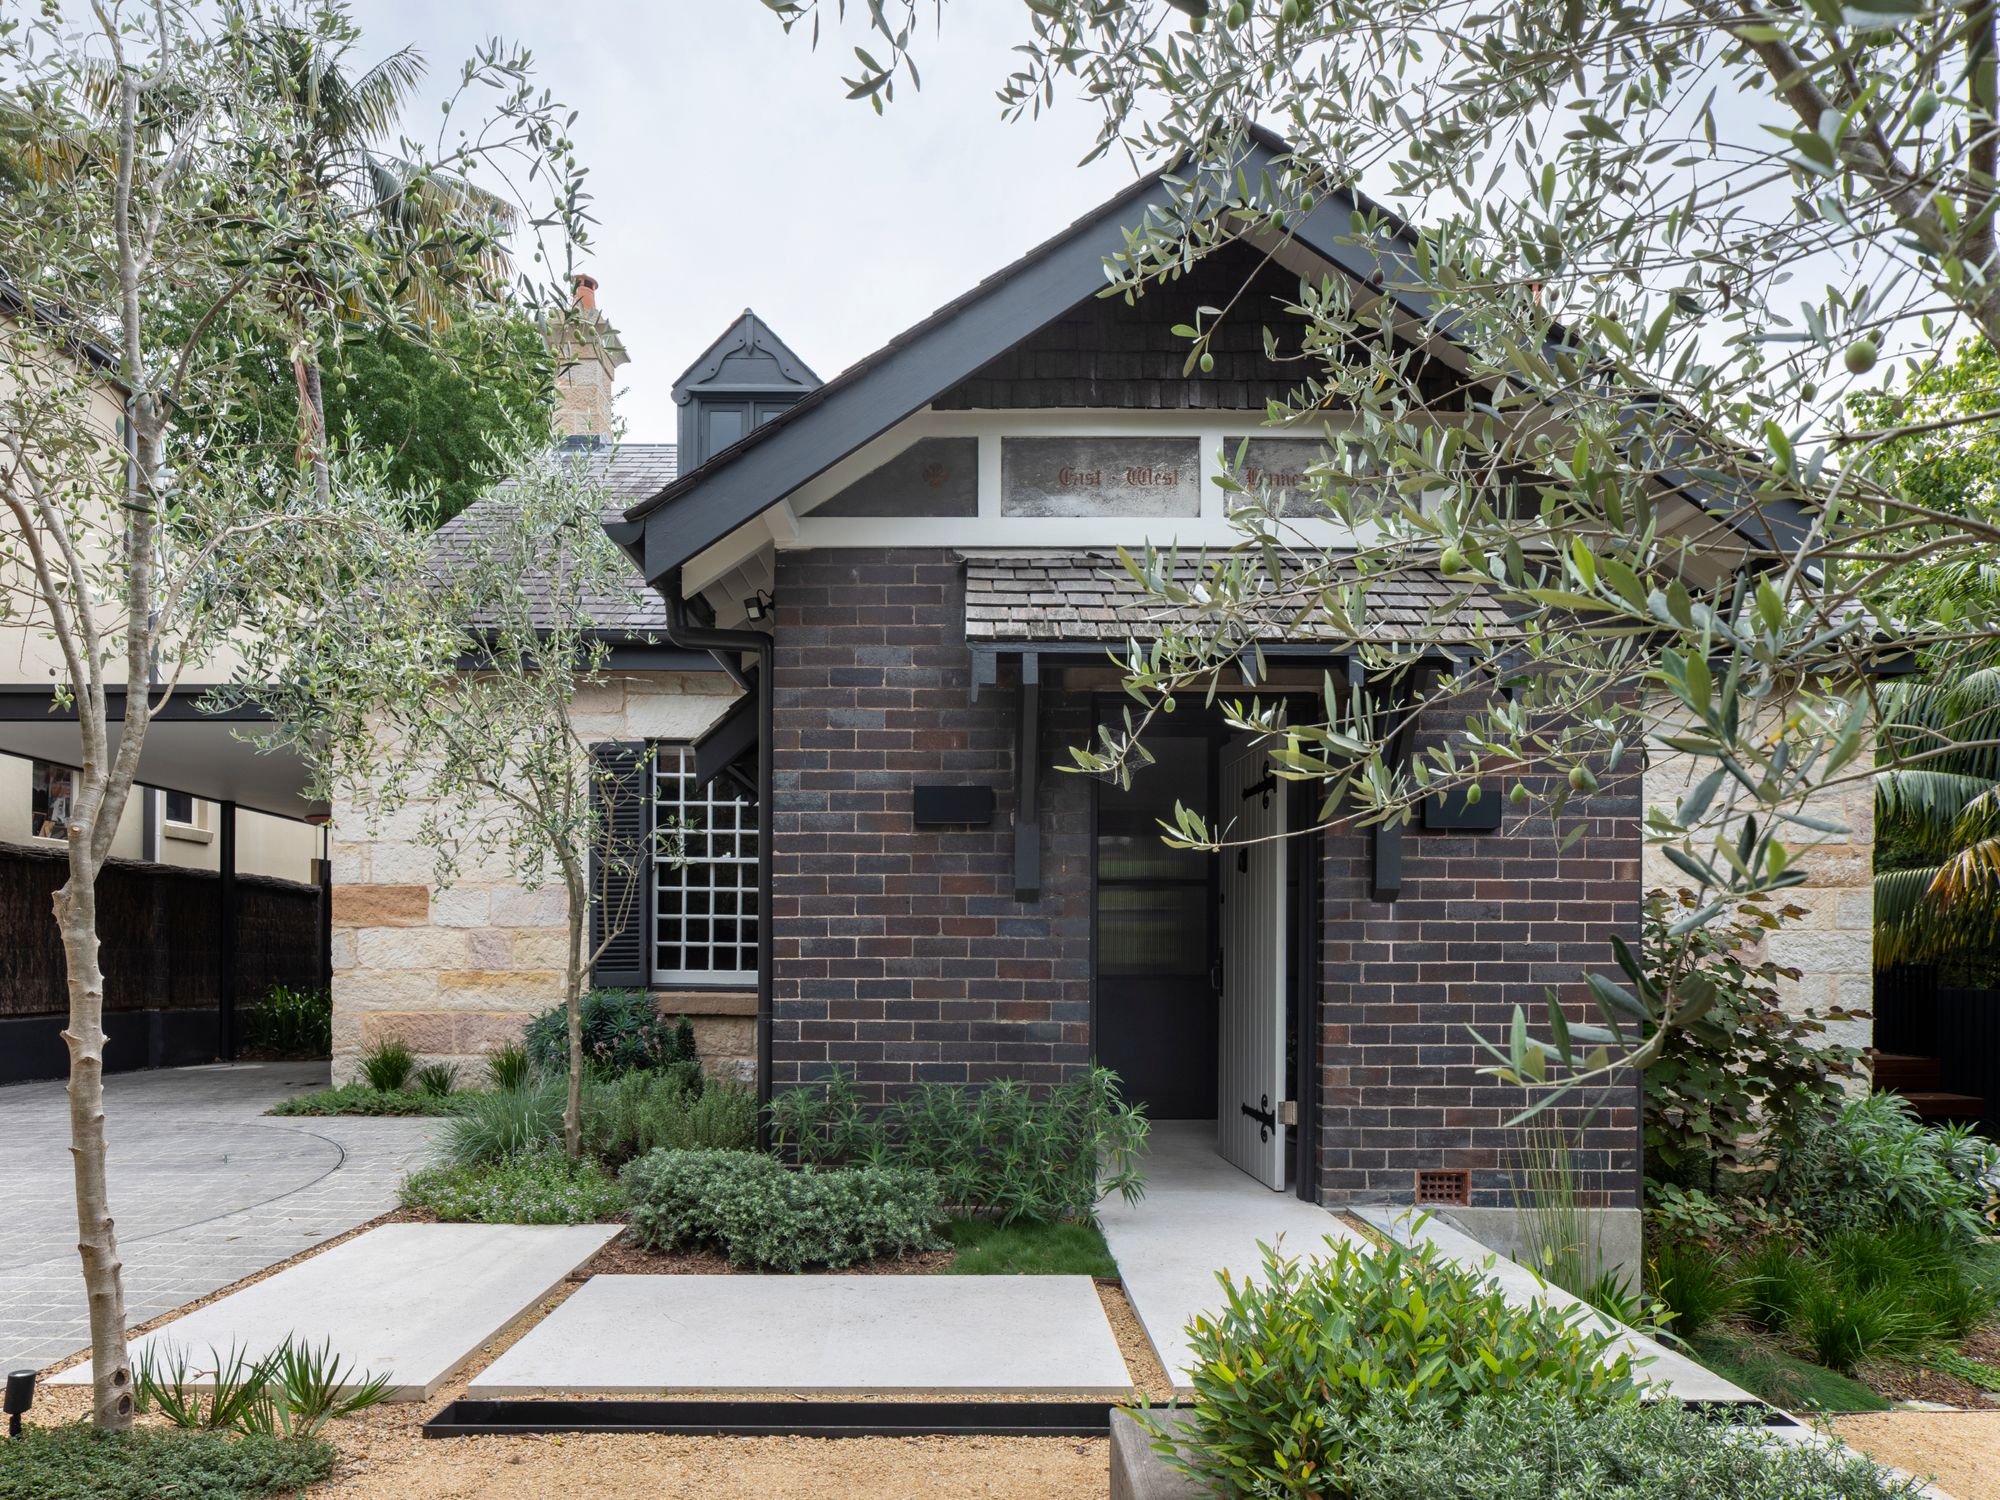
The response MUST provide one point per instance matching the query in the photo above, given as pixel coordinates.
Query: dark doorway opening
(1157, 985)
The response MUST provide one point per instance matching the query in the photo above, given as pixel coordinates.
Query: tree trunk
(103, 1279)
(573, 1006)
(322, 473)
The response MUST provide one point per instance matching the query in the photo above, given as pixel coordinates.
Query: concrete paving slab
(1200, 1215)
(824, 1335)
(410, 1301)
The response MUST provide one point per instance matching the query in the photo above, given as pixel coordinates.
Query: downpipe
(726, 646)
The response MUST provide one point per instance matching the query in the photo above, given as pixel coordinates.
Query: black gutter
(725, 646)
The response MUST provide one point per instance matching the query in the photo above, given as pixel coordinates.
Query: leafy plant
(998, 1149)
(630, 1114)
(1730, 1082)
(1534, 1443)
(763, 1214)
(1873, 1163)
(536, 1185)
(1843, 1325)
(292, 1392)
(218, 1398)
(1772, 1283)
(361, 1099)
(825, 1122)
(310, 1386)
(504, 1123)
(1288, 1366)
(623, 1032)
(509, 1067)
(77, 1462)
(439, 1080)
(1030, 1248)
(1694, 1283)
(388, 1064)
(289, 1023)
(1974, 1372)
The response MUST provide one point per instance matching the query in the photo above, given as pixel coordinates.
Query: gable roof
(746, 357)
(773, 459)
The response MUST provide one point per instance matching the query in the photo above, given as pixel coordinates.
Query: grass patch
(79, 1463)
(1794, 1384)
(1027, 1248)
(537, 1186)
(360, 1099)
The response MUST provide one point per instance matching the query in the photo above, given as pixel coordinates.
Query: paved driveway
(205, 1189)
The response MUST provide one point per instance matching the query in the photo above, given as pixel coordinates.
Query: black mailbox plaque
(953, 806)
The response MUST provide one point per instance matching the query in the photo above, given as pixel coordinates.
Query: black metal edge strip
(767, 1418)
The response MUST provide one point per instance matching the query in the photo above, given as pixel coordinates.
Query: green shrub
(538, 1185)
(1772, 1282)
(79, 1463)
(360, 1099)
(387, 1065)
(1536, 1443)
(623, 1032)
(505, 1122)
(627, 1116)
(997, 1150)
(437, 1079)
(1843, 1325)
(292, 1392)
(763, 1214)
(826, 1123)
(289, 1023)
(1284, 1370)
(1697, 1286)
(509, 1068)
(1872, 1164)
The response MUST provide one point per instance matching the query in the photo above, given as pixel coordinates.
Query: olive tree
(1618, 268)
(442, 688)
(151, 199)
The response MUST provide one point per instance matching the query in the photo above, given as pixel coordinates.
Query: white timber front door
(1251, 1030)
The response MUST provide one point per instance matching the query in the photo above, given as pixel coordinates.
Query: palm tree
(1940, 818)
(443, 237)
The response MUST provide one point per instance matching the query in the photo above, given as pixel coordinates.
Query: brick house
(885, 603)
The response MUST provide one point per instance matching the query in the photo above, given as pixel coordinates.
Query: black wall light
(758, 606)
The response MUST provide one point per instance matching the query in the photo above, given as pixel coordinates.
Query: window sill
(188, 832)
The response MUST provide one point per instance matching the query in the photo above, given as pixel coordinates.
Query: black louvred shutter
(621, 790)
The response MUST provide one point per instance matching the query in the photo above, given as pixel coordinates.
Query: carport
(203, 753)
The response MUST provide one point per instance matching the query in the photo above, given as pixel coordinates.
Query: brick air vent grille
(1448, 1185)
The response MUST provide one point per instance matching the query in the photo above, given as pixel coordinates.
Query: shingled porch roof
(1033, 598)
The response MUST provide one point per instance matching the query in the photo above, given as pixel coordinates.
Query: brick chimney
(588, 353)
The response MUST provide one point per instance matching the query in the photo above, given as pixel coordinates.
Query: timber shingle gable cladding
(1091, 596)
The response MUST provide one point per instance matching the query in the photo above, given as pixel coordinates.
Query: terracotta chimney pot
(586, 292)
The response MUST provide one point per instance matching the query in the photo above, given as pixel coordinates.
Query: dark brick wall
(901, 951)
(1485, 921)
(1105, 354)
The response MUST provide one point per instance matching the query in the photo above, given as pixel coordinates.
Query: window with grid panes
(705, 901)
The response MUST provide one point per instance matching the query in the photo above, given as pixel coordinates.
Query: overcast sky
(730, 171)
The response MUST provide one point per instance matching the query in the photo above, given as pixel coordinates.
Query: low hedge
(79, 1463)
(360, 1099)
(763, 1214)
(1535, 1443)
(536, 1186)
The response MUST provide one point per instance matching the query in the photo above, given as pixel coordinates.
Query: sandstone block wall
(1832, 946)
(457, 972)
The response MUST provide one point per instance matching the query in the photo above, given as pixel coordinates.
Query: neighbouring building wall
(902, 952)
(458, 972)
(1832, 946)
